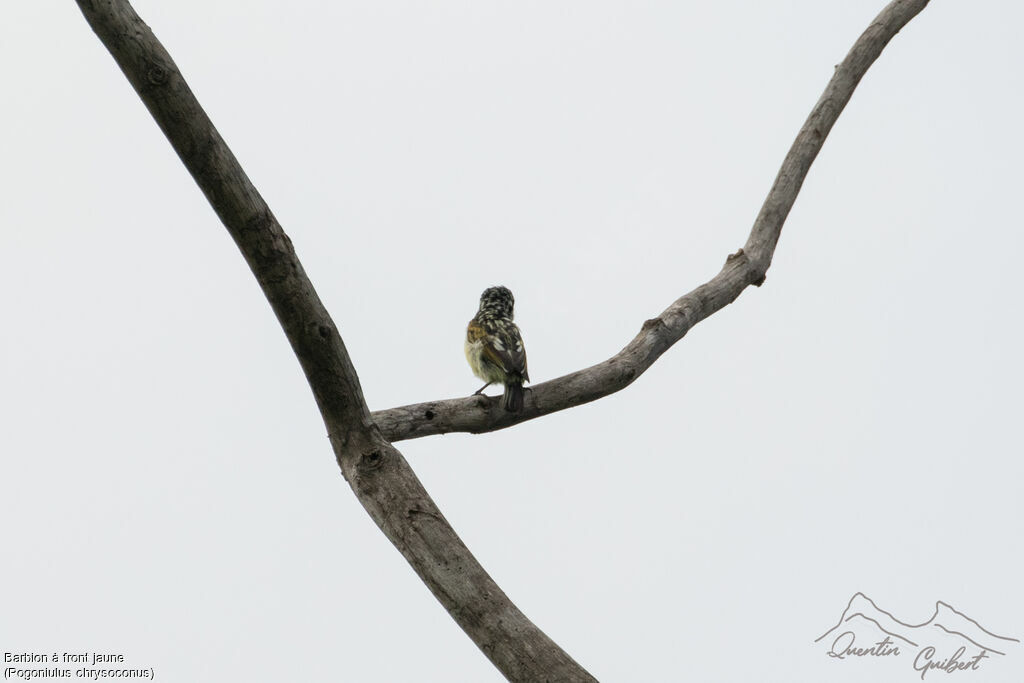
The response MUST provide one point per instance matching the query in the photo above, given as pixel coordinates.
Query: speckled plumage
(494, 346)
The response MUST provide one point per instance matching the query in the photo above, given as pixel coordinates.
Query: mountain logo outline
(949, 641)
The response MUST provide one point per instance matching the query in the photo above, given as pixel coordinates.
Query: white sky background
(168, 491)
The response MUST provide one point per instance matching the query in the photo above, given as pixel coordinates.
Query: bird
(494, 347)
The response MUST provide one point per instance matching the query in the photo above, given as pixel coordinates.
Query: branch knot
(157, 75)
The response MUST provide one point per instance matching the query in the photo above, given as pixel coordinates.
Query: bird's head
(497, 301)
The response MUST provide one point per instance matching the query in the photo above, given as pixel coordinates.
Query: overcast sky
(168, 491)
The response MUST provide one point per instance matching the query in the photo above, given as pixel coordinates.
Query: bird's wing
(505, 348)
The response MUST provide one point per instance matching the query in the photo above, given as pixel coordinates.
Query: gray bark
(478, 414)
(376, 471)
(378, 474)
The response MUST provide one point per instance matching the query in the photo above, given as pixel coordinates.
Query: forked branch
(378, 474)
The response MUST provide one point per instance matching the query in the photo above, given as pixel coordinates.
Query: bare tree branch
(378, 474)
(376, 471)
(478, 414)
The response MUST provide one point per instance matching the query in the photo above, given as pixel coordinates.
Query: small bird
(494, 346)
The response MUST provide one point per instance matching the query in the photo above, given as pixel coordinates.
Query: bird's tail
(513, 399)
